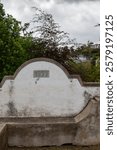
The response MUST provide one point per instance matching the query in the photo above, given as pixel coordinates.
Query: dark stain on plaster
(87, 96)
(11, 89)
(12, 111)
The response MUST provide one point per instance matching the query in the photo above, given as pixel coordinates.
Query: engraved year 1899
(108, 43)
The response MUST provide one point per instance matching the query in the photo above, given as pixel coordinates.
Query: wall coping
(12, 77)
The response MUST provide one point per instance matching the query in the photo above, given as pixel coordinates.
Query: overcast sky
(77, 17)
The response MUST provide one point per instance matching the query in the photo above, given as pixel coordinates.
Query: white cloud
(74, 16)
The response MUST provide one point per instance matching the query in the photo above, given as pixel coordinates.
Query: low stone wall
(43, 105)
(82, 129)
(3, 137)
(76, 130)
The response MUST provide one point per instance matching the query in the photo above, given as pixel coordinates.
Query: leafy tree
(41, 49)
(12, 45)
(50, 41)
(48, 30)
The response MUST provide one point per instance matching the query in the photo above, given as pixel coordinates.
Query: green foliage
(43, 49)
(86, 70)
(90, 69)
(12, 45)
(88, 51)
(91, 54)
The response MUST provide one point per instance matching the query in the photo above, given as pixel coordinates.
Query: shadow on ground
(97, 147)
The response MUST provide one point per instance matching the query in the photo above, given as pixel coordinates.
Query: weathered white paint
(57, 95)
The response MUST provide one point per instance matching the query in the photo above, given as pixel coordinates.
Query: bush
(87, 71)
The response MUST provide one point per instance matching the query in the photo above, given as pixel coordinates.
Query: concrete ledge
(34, 120)
(3, 137)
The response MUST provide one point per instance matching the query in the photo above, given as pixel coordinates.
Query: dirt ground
(61, 148)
